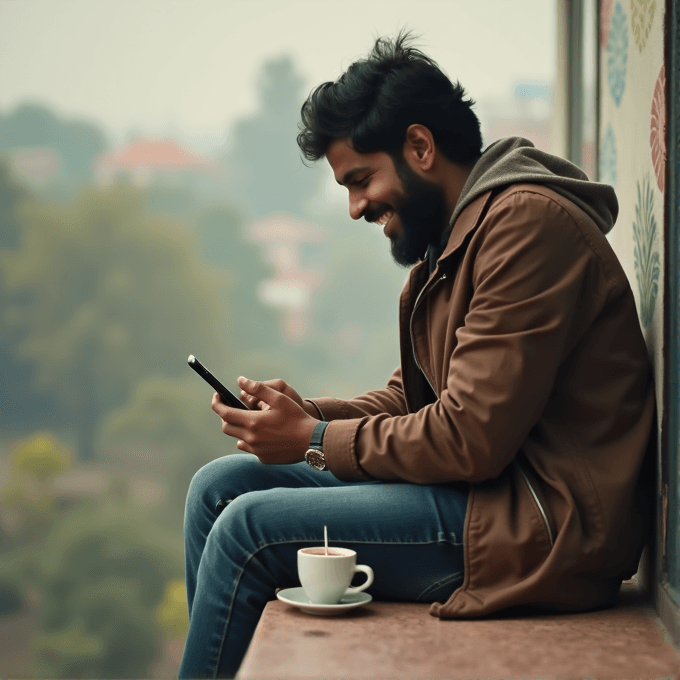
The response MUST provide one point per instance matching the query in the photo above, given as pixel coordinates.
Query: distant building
(144, 160)
(292, 246)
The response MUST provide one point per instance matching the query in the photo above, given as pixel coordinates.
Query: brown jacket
(528, 334)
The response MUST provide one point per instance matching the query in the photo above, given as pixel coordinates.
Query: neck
(454, 176)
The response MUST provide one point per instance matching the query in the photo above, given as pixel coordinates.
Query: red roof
(158, 154)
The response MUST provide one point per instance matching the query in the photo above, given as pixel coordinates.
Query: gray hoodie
(514, 160)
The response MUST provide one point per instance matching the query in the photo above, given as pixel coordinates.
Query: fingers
(252, 402)
(261, 391)
(233, 415)
(277, 430)
(279, 385)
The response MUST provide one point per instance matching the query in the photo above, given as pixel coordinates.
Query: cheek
(382, 192)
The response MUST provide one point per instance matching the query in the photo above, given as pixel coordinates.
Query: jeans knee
(251, 514)
(211, 484)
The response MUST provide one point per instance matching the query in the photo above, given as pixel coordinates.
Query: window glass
(153, 205)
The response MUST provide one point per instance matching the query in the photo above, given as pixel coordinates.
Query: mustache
(372, 214)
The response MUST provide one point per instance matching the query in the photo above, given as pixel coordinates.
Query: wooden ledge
(401, 640)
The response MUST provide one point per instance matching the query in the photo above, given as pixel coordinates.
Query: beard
(423, 216)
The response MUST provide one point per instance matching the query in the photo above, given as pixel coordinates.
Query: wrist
(307, 430)
(315, 456)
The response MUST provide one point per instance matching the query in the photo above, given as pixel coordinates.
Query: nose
(357, 206)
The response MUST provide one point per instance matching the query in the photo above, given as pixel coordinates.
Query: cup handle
(369, 574)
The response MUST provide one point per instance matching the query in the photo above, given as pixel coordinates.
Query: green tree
(174, 415)
(20, 408)
(100, 294)
(172, 612)
(267, 175)
(11, 195)
(33, 465)
(41, 456)
(220, 231)
(104, 574)
(356, 310)
(77, 143)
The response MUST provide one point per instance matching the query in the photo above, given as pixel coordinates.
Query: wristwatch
(314, 455)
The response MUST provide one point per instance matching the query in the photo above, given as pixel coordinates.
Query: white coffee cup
(326, 578)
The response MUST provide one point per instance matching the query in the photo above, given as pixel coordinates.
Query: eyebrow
(349, 176)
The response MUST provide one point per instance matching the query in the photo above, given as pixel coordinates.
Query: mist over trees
(103, 295)
(267, 175)
(77, 143)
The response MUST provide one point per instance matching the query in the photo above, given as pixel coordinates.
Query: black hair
(374, 102)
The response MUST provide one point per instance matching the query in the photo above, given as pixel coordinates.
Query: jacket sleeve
(389, 401)
(533, 286)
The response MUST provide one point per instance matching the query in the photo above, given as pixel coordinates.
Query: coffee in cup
(325, 578)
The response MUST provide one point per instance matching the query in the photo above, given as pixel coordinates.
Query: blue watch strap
(317, 435)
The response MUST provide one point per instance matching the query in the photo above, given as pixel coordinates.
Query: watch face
(316, 459)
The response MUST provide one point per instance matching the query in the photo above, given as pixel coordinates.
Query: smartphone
(227, 397)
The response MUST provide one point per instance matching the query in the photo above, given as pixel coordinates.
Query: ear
(419, 146)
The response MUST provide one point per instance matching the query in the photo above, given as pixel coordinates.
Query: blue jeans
(245, 522)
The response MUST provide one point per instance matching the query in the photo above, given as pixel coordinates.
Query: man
(501, 465)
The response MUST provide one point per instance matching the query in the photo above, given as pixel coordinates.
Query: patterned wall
(633, 152)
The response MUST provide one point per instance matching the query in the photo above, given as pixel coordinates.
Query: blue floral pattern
(617, 53)
(647, 260)
(607, 167)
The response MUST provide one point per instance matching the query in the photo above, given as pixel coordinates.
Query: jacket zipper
(538, 503)
(410, 329)
(420, 368)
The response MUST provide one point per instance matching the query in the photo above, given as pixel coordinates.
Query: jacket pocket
(542, 506)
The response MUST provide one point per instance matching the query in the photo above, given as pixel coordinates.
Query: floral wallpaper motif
(657, 136)
(642, 15)
(617, 53)
(605, 17)
(647, 260)
(607, 169)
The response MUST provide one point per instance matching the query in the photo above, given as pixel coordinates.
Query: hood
(515, 160)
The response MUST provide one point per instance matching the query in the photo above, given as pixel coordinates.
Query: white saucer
(298, 598)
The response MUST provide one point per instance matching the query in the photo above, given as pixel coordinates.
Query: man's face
(411, 210)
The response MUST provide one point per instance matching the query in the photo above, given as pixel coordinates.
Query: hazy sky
(160, 66)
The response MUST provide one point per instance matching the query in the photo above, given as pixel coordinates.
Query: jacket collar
(464, 224)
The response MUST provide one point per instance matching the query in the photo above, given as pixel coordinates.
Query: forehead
(345, 160)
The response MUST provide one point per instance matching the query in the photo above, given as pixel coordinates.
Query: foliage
(172, 612)
(11, 194)
(103, 575)
(34, 463)
(222, 244)
(41, 456)
(77, 143)
(356, 310)
(174, 415)
(267, 174)
(11, 593)
(19, 403)
(100, 294)
(113, 637)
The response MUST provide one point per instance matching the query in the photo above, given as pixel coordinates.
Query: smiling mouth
(384, 218)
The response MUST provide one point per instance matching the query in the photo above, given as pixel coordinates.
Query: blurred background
(153, 204)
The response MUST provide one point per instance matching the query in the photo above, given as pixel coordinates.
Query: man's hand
(277, 432)
(283, 387)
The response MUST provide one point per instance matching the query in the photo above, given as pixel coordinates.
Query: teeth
(384, 218)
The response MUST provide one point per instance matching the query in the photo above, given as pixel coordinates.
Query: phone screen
(227, 397)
